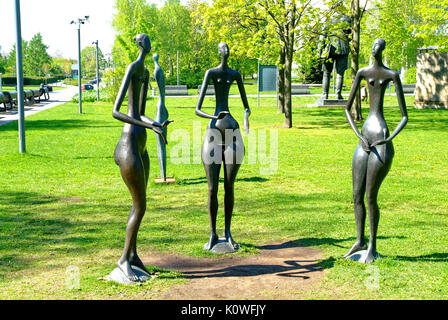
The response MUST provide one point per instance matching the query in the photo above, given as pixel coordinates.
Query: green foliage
(88, 58)
(91, 96)
(191, 79)
(432, 29)
(112, 79)
(410, 75)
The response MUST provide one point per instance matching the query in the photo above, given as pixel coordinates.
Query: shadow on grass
(58, 124)
(200, 180)
(434, 257)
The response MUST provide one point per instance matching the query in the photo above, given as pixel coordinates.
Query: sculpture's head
(224, 50)
(143, 42)
(378, 46)
(155, 57)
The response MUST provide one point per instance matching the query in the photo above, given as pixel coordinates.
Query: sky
(52, 19)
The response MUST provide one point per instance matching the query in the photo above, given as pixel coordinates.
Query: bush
(410, 75)
(31, 81)
(90, 96)
(192, 80)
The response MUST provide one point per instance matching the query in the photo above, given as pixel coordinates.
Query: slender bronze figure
(223, 143)
(131, 154)
(161, 116)
(373, 156)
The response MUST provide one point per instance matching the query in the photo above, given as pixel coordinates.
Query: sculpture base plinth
(222, 246)
(329, 103)
(360, 256)
(168, 180)
(118, 276)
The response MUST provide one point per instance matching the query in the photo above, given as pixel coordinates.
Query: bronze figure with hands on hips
(223, 144)
(131, 154)
(373, 156)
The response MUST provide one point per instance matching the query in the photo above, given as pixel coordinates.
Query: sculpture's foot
(369, 257)
(340, 97)
(136, 262)
(358, 246)
(211, 242)
(230, 240)
(125, 267)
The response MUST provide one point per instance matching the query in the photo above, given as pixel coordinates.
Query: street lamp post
(80, 21)
(19, 69)
(97, 72)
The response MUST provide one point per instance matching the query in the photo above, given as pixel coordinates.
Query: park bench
(409, 88)
(28, 96)
(210, 90)
(297, 89)
(173, 91)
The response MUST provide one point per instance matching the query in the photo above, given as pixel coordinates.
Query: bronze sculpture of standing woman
(131, 154)
(373, 156)
(223, 144)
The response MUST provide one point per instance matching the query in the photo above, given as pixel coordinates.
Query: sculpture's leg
(341, 66)
(339, 84)
(327, 68)
(380, 160)
(132, 171)
(233, 157)
(212, 173)
(134, 258)
(161, 154)
(359, 169)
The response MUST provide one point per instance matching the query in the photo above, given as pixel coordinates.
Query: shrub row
(33, 81)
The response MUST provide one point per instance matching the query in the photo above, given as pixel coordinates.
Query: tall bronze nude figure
(223, 144)
(132, 157)
(374, 153)
(161, 116)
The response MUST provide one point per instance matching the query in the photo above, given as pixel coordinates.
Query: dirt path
(279, 271)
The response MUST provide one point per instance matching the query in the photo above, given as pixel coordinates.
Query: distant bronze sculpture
(161, 116)
(336, 51)
(132, 157)
(223, 144)
(373, 155)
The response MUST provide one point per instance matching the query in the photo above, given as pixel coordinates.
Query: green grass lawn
(63, 203)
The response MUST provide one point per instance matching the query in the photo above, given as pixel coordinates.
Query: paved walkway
(56, 98)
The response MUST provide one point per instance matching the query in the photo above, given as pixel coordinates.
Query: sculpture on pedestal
(374, 153)
(223, 146)
(336, 52)
(132, 158)
(161, 116)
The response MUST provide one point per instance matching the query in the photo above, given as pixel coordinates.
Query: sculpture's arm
(198, 111)
(348, 108)
(404, 112)
(243, 95)
(116, 113)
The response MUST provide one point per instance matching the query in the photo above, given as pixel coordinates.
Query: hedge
(33, 81)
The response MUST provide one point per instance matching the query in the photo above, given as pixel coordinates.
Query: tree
(173, 30)
(88, 58)
(395, 21)
(265, 29)
(133, 17)
(35, 56)
(356, 16)
(434, 23)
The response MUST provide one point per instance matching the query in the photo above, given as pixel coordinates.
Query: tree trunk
(356, 31)
(281, 82)
(288, 98)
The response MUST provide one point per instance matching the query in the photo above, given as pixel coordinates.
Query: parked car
(87, 87)
(93, 81)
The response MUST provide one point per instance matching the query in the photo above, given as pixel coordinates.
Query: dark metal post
(97, 73)
(19, 69)
(79, 68)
